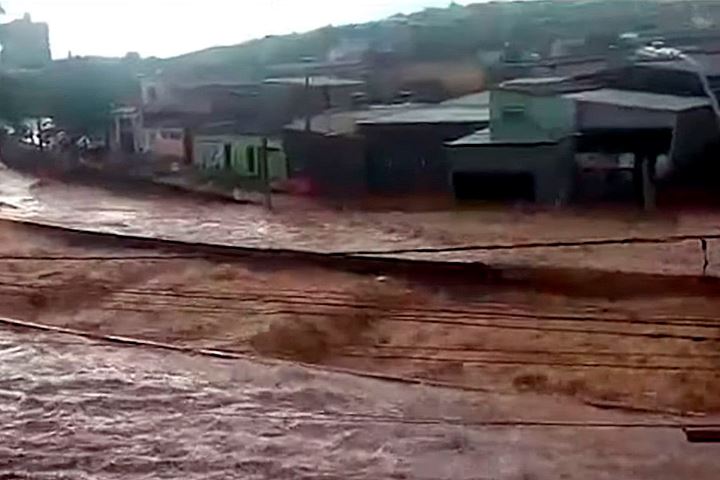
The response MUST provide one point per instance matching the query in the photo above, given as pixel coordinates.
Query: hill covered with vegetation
(461, 32)
(452, 42)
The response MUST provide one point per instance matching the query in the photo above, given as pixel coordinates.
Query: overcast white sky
(170, 27)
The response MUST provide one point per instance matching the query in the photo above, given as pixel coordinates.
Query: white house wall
(166, 142)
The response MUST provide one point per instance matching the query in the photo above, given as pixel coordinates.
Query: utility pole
(308, 115)
(307, 103)
(265, 173)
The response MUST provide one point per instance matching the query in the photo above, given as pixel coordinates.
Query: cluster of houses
(536, 139)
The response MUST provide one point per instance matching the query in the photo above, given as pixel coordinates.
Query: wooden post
(265, 173)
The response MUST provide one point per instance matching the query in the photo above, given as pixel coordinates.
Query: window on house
(251, 161)
(513, 111)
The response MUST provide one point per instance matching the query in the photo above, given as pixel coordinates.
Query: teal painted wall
(517, 115)
(244, 155)
(552, 166)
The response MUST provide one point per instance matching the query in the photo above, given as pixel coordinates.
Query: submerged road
(76, 409)
(297, 224)
(72, 408)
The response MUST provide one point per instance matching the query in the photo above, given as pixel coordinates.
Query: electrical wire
(536, 245)
(333, 418)
(435, 318)
(214, 250)
(487, 362)
(303, 298)
(516, 351)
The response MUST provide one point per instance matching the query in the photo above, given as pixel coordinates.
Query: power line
(216, 248)
(143, 309)
(534, 245)
(463, 323)
(516, 351)
(333, 417)
(485, 362)
(99, 258)
(302, 298)
(437, 319)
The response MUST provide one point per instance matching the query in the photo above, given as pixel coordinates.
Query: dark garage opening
(494, 186)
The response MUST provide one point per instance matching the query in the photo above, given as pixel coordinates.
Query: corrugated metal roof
(550, 85)
(640, 100)
(345, 122)
(481, 99)
(315, 81)
(433, 115)
(532, 81)
(483, 137)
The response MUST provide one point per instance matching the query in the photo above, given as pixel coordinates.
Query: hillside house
(237, 157)
(329, 154)
(405, 150)
(392, 149)
(526, 152)
(636, 118)
(173, 110)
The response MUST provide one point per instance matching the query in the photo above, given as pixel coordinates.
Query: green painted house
(238, 156)
(526, 153)
(530, 115)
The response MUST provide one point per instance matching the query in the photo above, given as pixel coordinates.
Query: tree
(77, 95)
(19, 99)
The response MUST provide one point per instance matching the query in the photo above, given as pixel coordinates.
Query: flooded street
(370, 240)
(298, 224)
(570, 377)
(76, 409)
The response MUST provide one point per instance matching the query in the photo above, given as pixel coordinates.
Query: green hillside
(461, 32)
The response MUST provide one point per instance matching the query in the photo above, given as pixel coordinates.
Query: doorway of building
(127, 136)
(494, 186)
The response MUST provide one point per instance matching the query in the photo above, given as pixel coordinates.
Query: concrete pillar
(649, 190)
(644, 181)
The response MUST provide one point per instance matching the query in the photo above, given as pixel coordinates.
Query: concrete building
(329, 155)
(394, 149)
(527, 151)
(223, 152)
(173, 110)
(532, 170)
(406, 153)
(683, 126)
(544, 132)
(126, 131)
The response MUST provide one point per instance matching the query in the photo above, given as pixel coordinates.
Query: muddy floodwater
(300, 224)
(73, 409)
(575, 376)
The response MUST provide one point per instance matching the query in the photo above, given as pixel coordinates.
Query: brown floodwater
(77, 409)
(300, 224)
